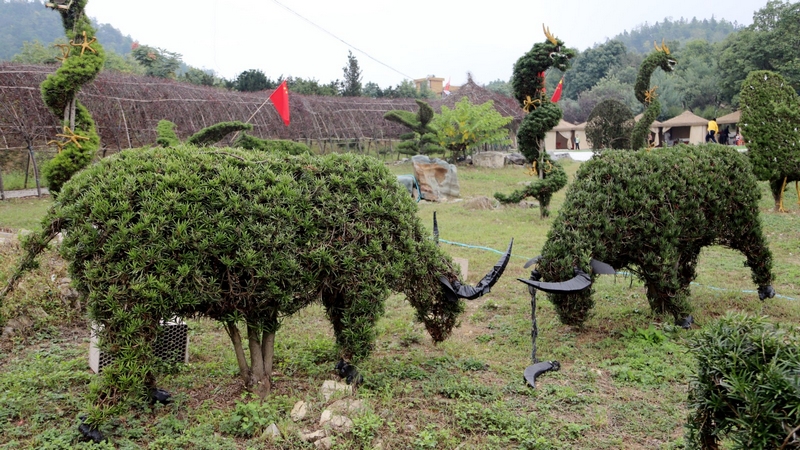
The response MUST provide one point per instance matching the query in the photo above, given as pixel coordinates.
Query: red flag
(446, 90)
(280, 98)
(557, 94)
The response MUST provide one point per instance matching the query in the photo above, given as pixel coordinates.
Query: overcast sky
(391, 40)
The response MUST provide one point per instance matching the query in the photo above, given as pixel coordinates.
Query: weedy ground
(622, 383)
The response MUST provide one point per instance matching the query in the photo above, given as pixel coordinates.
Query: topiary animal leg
(353, 316)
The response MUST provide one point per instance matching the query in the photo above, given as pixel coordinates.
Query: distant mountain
(22, 20)
(640, 40)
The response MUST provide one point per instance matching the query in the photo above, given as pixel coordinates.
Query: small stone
(299, 411)
(313, 436)
(325, 417)
(341, 424)
(347, 406)
(330, 387)
(272, 431)
(325, 443)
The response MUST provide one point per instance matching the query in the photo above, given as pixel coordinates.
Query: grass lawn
(622, 383)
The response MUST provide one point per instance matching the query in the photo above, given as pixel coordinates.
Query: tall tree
(157, 62)
(592, 65)
(351, 85)
(770, 43)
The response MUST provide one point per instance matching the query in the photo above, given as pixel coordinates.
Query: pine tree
(351, 86)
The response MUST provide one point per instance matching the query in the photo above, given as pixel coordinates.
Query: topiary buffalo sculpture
(243, 237)
(652, 212)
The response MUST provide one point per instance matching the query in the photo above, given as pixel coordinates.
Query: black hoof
(160, 396)
(539, 368)
(348, 372)
(685, 323)
(90, 434)
(765, 292)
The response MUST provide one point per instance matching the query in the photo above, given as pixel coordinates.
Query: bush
(746, 386)
(610, 125)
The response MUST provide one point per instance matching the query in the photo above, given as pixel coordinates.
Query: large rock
(491, 160)
(436, 178)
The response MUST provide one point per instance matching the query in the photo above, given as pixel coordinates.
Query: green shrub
(746, 385)
(271, 145)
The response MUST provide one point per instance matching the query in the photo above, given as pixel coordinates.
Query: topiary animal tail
(82, 60)
(527, 83)
(646, 96)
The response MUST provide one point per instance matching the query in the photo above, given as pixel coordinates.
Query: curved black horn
(532, 261)
(581, 281)
(485, 285)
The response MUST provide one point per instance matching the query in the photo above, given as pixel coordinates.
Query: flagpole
(233, 139)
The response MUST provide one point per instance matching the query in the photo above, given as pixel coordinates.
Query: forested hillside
(640, 39)
(23, 20)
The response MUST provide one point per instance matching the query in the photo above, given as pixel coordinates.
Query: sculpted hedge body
(243, 237)
(651, 212)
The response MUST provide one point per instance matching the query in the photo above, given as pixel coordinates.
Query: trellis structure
(127, 109)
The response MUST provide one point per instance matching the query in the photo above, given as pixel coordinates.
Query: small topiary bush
(746, 385)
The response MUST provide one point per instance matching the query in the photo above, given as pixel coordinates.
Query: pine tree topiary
(82, 60)
(421, 140)
(770, 124)
(659, 58)
(527, 83)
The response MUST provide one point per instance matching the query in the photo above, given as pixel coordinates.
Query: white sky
(415, 38)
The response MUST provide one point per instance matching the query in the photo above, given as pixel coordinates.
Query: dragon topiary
(527, 83)
(82, 60)
(659, 58)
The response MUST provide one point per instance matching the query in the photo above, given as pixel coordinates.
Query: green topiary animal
(659, 58)
(527, 83)
(652, 212)
(82, 60)
(244, 237)
(770, 121)
(421, 140)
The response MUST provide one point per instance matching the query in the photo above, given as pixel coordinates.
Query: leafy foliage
(157, 62)
(769, 43)
(83, 63)
(253, 80)
(468, 125)
(166, 134)
(652, 212)
(593, 65)
(271, 145)
(769, 123)
(541, 189)
(745, 386)
(682, 30)
(609, 125)
(422, 139)
(216, 132)
(239, 236)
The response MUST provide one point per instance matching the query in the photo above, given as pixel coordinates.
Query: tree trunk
(236, 339)
(256, 375)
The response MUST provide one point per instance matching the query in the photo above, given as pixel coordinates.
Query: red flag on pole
(280, 98)
(557, 94)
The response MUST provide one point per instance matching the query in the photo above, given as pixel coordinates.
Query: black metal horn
(485, 285)
(581, 281)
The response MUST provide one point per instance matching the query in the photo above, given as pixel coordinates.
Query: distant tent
(688, 128)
